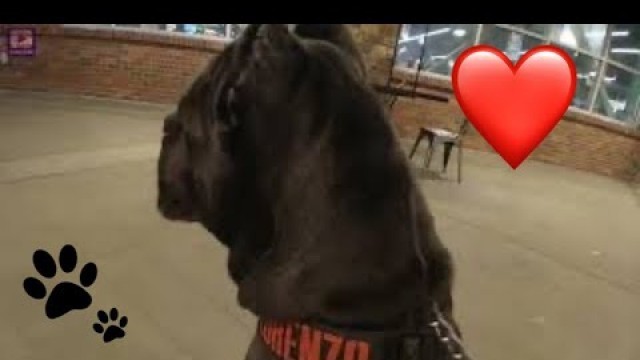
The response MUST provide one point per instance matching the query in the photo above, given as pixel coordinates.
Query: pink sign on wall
(21, 41)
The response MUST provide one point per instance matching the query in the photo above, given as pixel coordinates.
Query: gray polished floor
(547, 257)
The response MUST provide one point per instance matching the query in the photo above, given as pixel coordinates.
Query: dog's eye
(227, 107)
(221, 109)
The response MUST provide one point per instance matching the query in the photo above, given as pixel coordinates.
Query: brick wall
(131, 64)
(376, 42)
(158, 67)
(580, 141)
(111, 63)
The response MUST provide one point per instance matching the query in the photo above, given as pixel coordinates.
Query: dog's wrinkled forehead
(218, 84)
(233, 65)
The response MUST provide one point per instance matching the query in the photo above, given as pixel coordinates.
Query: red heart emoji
(514, 107)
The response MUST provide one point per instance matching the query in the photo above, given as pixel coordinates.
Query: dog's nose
(168, 199)
(175, 202)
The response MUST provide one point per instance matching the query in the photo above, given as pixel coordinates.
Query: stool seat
(442, 133)
(447, 138)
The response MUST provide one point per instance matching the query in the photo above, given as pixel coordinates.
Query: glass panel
(512, 44)
(188, 28)
(619, 95)
(217, 30)
(587, 37)
(540, 29)
(587, 69)
(625, 44)
(439, 43)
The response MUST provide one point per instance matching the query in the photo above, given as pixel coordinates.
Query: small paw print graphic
(65, 296)
(113, 331)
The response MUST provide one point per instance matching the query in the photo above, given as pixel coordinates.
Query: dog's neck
(332, 204)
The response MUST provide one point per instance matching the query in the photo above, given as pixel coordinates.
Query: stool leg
(429, 154)
(447, 153)
(459, 163)
(393, 102)
(415, 145)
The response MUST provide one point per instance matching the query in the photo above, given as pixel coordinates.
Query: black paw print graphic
(114, 331)
(65, 296)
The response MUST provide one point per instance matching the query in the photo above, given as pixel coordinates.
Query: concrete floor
(546, 256)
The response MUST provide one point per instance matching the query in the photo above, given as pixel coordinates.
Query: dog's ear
(230, 74)
(270, 67)
(336, 34)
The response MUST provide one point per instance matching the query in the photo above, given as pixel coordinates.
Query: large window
(607, 56)
(514, 44)
(587, 68)
(224, 31)
(625, 45)
(432, 47)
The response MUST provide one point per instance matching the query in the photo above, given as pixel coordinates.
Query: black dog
(283, 151)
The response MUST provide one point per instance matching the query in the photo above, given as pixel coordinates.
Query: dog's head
(235, 125)
(283, 142)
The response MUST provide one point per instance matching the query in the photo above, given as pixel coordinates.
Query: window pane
(587, 37)
(587, 69)
(218, 30)
(128, 25)
(215, 29)
(625, 44)
(513, 44)
(540, 29)
(152, 27)
(439, 43)
(619, 95)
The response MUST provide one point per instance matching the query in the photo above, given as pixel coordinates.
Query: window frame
(114, 27)
(547, 40)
